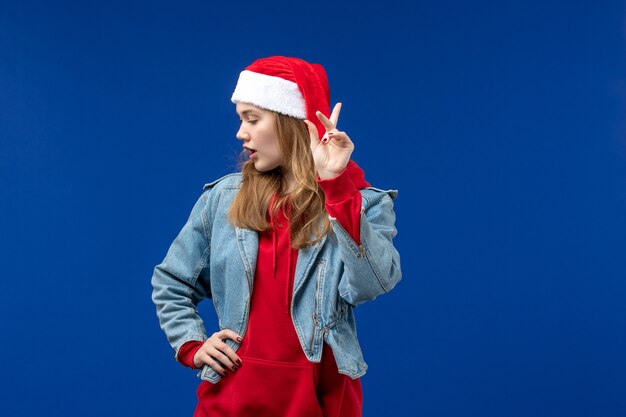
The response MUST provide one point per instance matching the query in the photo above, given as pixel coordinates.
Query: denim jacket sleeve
(373, 267)
(181, 281)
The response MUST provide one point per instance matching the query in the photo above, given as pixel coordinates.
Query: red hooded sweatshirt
(275, 378)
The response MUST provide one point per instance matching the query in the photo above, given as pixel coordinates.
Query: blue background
(502, 124)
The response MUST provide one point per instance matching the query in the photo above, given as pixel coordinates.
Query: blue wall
(502, 124)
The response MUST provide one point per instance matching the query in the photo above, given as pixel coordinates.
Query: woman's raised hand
(214, 349)
(332, 153)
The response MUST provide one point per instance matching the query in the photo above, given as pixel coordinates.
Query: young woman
(285, 250)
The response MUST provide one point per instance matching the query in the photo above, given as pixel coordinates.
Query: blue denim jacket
(212, 259)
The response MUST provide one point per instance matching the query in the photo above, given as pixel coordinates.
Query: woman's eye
(252, 122)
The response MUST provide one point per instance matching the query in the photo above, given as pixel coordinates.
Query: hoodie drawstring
(277, 220)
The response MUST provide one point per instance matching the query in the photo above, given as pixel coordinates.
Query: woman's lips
(251, 152)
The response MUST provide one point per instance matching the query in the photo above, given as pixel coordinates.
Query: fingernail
(238, 361)
(239, 339)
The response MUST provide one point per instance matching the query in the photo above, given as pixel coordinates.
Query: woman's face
(259, 136)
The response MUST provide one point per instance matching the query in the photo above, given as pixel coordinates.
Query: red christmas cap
(290, 86)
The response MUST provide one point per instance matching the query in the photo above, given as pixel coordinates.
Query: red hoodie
(276, 378)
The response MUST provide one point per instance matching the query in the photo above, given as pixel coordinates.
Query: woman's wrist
(326, 175)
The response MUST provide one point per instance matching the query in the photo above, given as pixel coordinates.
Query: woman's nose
(241, 134)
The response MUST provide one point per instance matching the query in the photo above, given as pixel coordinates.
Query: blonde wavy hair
(308, 218)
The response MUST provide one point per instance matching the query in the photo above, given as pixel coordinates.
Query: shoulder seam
(212, 183)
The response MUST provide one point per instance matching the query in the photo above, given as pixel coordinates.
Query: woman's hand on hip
(331, 153)
(217, 354)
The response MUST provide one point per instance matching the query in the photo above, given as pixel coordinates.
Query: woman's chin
(261, 167)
